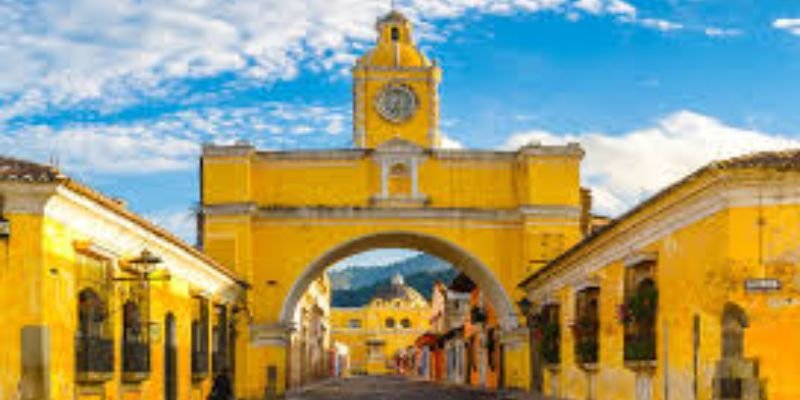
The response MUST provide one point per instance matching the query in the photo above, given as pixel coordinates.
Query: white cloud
(104, 149)
(65, 53)
(590, 6)
(181, 223)
(450, 143)
(791, 25)
(623, 169)
(171, 142)
(660, 24)
(721, 32)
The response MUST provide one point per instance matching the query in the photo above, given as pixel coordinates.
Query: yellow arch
(433, 245)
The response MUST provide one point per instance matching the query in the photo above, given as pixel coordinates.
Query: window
(399, 180)
(405, 323)
(94, 348)
(354, 323)
(135, 343)
(395, 34)
(389, 322)
(200, 338)
(639, 312)
(587, 326)
(549, 332)
(219, 355)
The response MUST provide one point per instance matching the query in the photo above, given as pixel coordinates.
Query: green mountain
(421, 281)
(356, 277)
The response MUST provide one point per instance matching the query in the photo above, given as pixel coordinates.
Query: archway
(445, 250)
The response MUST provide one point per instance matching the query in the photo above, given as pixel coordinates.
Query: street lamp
(524, 306)
(145, 263)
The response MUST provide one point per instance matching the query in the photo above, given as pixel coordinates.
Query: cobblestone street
(390, 388)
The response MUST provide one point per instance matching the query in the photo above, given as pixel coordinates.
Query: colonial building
(310, 341)
(694, 294)
(464, 345)
(98, 303)
(377, 333)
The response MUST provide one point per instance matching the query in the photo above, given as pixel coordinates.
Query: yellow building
(310, 340)
(97, 303)
(378, 331)
(694, 294)
(280, 218)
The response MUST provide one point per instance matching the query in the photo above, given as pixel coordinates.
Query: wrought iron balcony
(94, 359)
(640, 347)
(135, 361)
(199, 365)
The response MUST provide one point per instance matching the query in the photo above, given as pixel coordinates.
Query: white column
(414, 179)
(384, 179)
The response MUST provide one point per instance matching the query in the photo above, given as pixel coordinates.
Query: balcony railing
(586, 351)
(135, 361)
(94, 359)
(219, 362)
(199, 365)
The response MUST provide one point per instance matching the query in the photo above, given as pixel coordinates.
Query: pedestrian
(221, 390)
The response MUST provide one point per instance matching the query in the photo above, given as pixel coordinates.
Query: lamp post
(526, 307)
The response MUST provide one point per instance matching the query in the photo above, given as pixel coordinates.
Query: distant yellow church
(377, 332)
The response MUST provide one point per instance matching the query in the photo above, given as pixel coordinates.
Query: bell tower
(395, 89)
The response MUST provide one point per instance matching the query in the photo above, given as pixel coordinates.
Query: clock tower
(395, 90)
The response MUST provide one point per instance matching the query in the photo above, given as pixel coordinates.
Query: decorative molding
(26, 197)
(585, 282)
(570, 149)
(474, 155)
(637, 257)
(235, 150)
(337, 154)
(570, 212)
(383, 213)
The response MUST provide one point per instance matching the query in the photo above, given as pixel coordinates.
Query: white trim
(639, 257)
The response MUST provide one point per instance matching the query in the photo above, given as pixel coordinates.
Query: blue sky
(122, 94)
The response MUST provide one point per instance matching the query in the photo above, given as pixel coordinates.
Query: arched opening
(734, 322)
(461, 259)
(135, 343)
(94, 347)
(393, 310)
(736, 375)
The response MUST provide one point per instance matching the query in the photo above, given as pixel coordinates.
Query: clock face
(396, 103)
